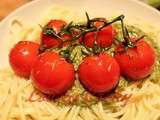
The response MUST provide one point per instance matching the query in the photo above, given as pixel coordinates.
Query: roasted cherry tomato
(50, 41)
(21, 57)
(136, 63)
(52, 74)
(104, 37)
(99, 73)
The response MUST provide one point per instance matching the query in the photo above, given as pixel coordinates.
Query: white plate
(31, 12)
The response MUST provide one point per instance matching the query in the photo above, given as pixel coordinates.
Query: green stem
(127, 41)
(81, 28)
(88, 20)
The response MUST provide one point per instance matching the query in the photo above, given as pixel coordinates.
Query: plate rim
(36, 1)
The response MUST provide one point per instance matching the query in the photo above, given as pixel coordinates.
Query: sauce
(77, 95)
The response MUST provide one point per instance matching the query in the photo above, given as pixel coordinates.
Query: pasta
(19, 100)
(144, 104)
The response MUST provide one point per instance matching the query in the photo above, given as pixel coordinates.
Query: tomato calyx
(90, 22)
(128, 42)
(51, 32)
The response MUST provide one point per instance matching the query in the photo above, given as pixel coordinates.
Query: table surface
(7, 6)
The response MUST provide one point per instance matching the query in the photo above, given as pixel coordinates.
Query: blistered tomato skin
(99, 73)
(22, 56)
(136, 63)
(51, 74)
(50, 41)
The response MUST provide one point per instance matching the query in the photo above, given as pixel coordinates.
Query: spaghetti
(19, 100)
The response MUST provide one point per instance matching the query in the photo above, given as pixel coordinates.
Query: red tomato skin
(68, 38)
(50, 41)
(104, 38)
(21, 57)
(51, 74)
(136, 63)
(56, 24)
(99, 74)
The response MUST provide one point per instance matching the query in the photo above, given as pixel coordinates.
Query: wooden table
(7, 6)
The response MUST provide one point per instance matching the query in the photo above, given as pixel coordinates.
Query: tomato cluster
(50, 41)
(99, 73)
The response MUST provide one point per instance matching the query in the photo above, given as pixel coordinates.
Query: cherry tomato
(104, 37)
(99, 73)
(50, 41)
(51, 74)
(136, 63)
(21, 57)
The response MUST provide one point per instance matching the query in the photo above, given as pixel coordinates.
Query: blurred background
(7, 6)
